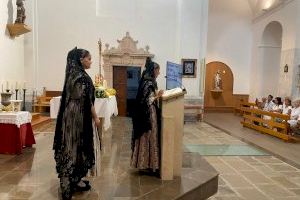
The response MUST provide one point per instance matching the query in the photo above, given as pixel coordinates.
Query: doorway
(126, 82)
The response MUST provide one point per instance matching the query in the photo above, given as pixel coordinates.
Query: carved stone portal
(126, 54)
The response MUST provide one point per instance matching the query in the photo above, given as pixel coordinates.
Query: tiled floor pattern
(224, 150)
(246, 177)
(29, 176)
(230, 123)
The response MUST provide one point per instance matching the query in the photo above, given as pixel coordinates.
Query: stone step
(193, 117)
(41, 120)
(35, 116)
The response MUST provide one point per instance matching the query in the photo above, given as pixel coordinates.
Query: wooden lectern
(172, 119)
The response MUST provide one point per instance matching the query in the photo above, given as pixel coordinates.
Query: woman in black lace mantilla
(73, 141)
(146, 121)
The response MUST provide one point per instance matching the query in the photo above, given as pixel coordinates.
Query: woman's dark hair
(84, 53)
(150, 66)
(148, 73)
(73, 59)
(289, 101)
(279, 100)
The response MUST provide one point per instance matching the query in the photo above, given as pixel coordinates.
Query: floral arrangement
(100, 88)
(101, 92)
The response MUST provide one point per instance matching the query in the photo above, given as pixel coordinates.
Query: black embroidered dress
(73, 141)
(146, 124)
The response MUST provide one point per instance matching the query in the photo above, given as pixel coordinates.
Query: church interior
(224, 110)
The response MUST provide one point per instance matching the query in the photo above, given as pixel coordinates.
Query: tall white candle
(24, 85)
(16, 85)
(7, 85)
(105, 84)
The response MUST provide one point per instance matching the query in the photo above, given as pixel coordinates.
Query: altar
(15, 132)
(105, 108)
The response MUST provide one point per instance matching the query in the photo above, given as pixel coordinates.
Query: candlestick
(24, 93)
(100, 51)
(17, 90)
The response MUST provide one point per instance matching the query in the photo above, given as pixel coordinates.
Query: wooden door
(120, 84)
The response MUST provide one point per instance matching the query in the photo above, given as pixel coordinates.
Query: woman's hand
(160, 93)
(97, 121)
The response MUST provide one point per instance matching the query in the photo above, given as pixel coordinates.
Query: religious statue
(20, 12)
(218, 80)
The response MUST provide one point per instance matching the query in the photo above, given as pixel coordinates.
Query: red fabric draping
(13, 139)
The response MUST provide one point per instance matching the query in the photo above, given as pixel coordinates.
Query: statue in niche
(218, 81)
(20, 12)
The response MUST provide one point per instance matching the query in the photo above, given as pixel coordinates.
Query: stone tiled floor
(231, 123)
(32, 175)
(246, 177)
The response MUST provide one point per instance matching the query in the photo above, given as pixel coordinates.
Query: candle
(2, 87)
(24, 85)
(16, 85)
(7, 85)
(104, 84)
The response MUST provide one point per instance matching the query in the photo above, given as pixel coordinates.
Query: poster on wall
(174, 75)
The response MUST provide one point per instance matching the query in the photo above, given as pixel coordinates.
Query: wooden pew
(238, 110)
(254, 118)
(42, 103)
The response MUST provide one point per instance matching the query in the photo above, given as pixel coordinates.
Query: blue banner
(174, 75)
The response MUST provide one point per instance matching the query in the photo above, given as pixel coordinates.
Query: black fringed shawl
(74, 121)
(141, 118)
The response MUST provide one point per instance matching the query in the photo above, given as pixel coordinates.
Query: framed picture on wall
(189, 68)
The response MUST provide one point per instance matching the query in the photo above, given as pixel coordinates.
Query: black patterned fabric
(73, 140)
(141, 118)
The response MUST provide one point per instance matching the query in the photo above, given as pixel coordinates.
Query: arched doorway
(270, 55)
(122, 67)
(218, 100)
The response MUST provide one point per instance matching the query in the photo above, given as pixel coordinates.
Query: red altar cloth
(13, 139)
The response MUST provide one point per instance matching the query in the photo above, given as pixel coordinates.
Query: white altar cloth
(105, 108)
(17, 118)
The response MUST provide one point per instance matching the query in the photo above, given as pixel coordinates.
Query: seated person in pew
(268, 107)
(287, 106)
(260, 105)
(295, 113)
(295, 127)
(277, 107)
(269, 104)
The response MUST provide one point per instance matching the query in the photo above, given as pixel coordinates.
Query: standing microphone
(181, 85)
